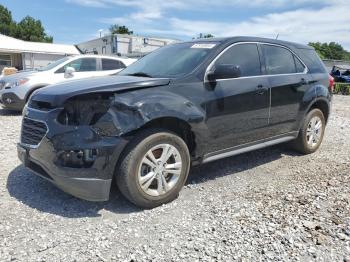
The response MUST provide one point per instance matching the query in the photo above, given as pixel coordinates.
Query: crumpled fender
(132, 110)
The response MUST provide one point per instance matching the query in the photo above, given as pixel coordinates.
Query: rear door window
(111, 64)
(246, 56)
(278, 60)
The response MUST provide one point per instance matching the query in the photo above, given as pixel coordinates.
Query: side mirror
(69, 72)
(224, 71)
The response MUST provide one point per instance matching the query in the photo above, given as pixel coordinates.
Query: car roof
(102, 56)
(235, 39)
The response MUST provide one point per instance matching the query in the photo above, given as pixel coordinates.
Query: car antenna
(277, 36)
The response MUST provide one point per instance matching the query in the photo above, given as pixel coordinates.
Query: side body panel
(318, 92)
(237, 112)
(287, 92)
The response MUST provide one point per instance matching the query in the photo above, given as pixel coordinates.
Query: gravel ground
(272, 204)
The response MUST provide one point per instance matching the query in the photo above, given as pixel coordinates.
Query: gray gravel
(272, 204)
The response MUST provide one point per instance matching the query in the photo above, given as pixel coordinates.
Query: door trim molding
(306, 70)
(249, 147)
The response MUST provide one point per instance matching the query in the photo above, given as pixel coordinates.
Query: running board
(245, 149)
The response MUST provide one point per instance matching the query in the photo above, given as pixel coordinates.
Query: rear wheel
(153, 168)
(311, 133)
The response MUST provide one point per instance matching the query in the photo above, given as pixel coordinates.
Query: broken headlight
(90, 110)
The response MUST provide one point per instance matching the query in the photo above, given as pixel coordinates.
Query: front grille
(32, 131)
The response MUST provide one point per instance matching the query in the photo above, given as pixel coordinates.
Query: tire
(135, 171)
(304, 142)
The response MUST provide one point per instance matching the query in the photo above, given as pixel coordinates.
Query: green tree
(204, 36)
(318, 48)
(116, 29)
(331, 51)
(7, 25)
(336, 51)
(30, 29)
(208, 36)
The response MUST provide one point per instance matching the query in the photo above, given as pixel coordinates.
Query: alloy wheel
(160, 170)
(314, 131)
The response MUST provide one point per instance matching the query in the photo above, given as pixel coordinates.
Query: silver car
(16, 89)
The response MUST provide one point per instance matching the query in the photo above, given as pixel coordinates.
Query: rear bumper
(90, 182)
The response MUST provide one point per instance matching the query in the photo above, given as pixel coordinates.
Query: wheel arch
(163, 110)
(171, 124)
(32, 90)
(321, 104)
(176, 125)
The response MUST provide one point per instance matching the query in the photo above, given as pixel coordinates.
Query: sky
(76, 21)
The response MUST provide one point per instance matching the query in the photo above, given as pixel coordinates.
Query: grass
(342, 88)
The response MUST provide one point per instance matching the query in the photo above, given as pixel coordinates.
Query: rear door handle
(260, 89)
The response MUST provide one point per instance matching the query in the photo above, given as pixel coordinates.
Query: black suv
(184, 104)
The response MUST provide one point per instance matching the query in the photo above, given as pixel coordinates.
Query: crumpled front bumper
(90, 183)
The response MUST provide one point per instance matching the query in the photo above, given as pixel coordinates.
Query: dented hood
(57, 94)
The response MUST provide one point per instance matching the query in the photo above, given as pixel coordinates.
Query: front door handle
(260, 89)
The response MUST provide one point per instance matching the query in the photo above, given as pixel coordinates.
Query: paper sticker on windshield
(205, 46)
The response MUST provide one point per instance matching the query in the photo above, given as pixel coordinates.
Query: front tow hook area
(77, 158)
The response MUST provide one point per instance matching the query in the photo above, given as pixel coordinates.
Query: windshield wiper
(141, 74)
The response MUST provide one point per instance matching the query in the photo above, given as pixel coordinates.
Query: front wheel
(153, 168)
(311, 133)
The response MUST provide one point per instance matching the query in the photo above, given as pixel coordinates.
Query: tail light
(331, 83)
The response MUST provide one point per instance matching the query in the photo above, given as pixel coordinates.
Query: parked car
(184, 104)
(341, 73)
(17, 88)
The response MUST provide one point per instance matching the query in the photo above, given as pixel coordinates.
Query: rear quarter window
(312, 61)
(111, 64)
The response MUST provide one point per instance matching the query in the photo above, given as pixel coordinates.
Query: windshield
(171, 61)
(54, 64)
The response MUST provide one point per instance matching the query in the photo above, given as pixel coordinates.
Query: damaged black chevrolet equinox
(184, 104)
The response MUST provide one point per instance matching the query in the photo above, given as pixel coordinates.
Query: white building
(26, 55)
(124, 45)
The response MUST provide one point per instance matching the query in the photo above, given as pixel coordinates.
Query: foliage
(342, 88)
(331, 51)
(204, 36)
(7, 25)
(208, 36)
(123, 30)
(28, 28)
